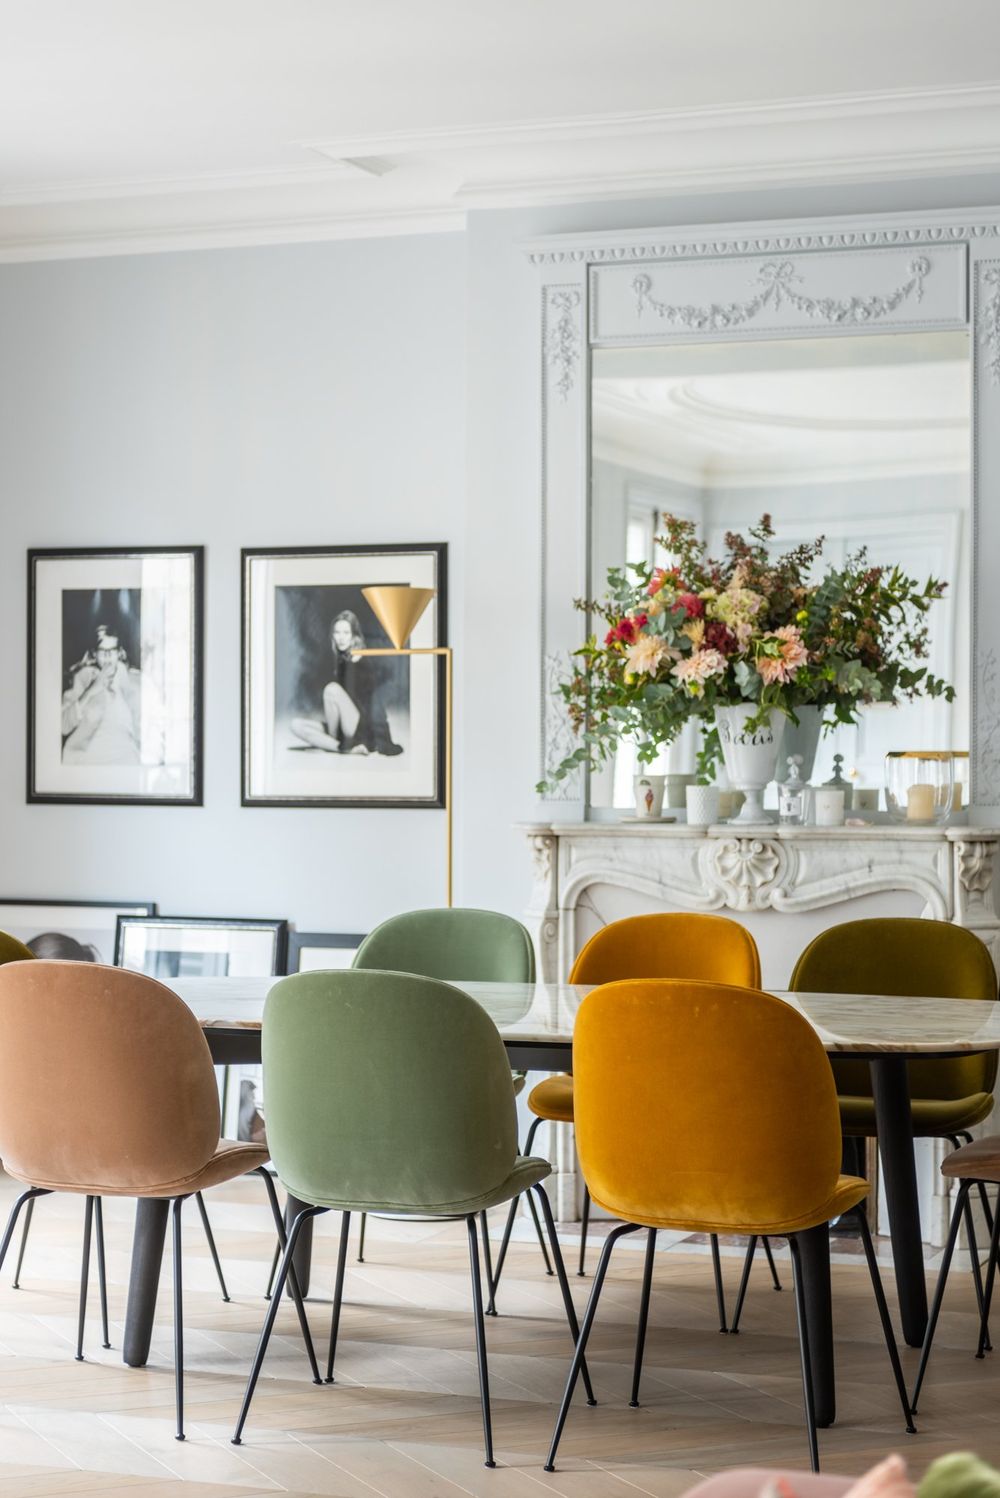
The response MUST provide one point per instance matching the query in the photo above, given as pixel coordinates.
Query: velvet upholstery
(477, 946)
(119, 1050)
(912, 958)
(765, 1159)
(389, 1092)
(672, 945)
(12, 950)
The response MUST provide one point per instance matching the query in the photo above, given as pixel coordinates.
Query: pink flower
(696, 669)
(646, 654)
(792, 654)
(693, 606)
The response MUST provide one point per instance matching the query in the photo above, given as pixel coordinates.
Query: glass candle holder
(919, 785)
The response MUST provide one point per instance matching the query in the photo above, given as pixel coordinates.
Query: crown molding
(621, 126)
(233, 236)
(111, 188)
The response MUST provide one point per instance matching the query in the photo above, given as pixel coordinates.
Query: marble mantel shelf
(784, 870)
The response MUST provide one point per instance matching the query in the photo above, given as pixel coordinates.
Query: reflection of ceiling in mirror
(808, 409)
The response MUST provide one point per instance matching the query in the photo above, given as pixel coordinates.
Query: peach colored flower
(646, 654)
(792, 655)
(695, 670)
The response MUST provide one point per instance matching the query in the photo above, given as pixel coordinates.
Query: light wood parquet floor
(403, 1418)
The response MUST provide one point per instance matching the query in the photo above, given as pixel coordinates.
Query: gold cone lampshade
(397, 607)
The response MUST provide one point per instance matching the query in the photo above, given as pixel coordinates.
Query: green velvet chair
(12, 950)
(456, 945)
(391, 1092)
(912, 958)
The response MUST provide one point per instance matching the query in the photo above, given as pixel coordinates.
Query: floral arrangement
(683, 640)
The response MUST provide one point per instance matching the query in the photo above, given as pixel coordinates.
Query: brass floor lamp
(398, 607)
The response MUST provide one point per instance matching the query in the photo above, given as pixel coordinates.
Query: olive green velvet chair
(12, 950)
(456, 945)
(391, 1092)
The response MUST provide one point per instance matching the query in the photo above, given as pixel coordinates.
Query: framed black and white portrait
(177, 946)
(313, 951)
(115, 675)
(322, 724)
(70, 930)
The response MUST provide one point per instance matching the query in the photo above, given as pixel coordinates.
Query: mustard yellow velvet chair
(672, 945)
(683, 1093)
(913, 958)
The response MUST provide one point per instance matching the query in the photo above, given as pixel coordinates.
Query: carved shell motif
(745, 870)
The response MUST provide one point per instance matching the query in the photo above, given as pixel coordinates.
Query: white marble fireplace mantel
(784, 883)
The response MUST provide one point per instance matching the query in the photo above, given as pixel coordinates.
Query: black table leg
(814, 1250)
(894, 1122)
(302, 1257)
(144, 1280)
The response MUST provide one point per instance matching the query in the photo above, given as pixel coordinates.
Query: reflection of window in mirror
(862, 438)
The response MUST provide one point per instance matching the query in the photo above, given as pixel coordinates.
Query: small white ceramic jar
(702, 805)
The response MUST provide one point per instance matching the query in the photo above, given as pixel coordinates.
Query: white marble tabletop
(543, 1014)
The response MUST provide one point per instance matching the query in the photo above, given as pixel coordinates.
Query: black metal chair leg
(211, 1243)
(884, 1317)
(24, 1240)
(15, 1212)
(293, 1280)
(720, 1294)
(640, 1334)
(361, 1238)
(741, 1293)
(775, 1281)
(574, 1328)
(477, 1311)
(338, 1294)
(949, 1249)
(585, 1329)
(977, 1273)
(88, 1222)
(539, 1234)
(178, 1318)
(491, 1309)
(102, 1269)
(807, 1384)
(584, 1224)
(984, 1326)
(274, 1270)
(269, 1319)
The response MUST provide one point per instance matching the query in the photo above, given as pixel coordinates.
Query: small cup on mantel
(702, 805)
(648, 796)
(828, 806)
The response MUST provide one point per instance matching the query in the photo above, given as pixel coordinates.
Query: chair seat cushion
(978, 1161)
(232, 1158)
(846, 1194)
(933, 1118)
(526, 1172)
(553, 1099)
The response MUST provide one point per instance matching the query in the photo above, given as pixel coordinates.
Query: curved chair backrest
(385, 1091)
(106, 1080)
(703, 1106)
(914, 958)
(711, 948)
(480, 946)
(12, 950)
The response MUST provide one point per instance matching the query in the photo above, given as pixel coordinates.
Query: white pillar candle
(920, 803)
(828, 804)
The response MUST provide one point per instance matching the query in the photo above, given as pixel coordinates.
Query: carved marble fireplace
(784, 884)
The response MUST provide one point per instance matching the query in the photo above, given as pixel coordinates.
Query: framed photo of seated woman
(324, 724)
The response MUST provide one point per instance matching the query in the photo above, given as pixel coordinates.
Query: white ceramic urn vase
(750, 755)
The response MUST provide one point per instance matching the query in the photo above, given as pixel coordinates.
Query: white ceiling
(141, 124)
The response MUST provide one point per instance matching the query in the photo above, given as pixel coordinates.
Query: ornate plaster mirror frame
(812, 278)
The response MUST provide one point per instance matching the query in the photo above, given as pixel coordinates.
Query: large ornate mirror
(842, 376)
(863, 439)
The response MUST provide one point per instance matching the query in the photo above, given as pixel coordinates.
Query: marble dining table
(535, 1022)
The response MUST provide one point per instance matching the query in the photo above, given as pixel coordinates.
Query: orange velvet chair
(682, 1096)
(672, 945)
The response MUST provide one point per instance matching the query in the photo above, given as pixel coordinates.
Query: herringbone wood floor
(404, 1417)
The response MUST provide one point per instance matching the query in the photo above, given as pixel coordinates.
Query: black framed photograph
(178, 946)
(115, 675)
(314, 951)
(70, 930)
(323, 725)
